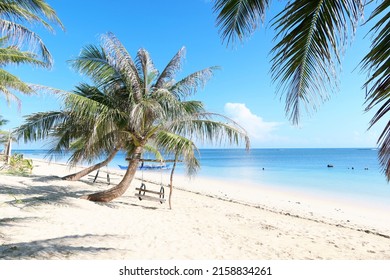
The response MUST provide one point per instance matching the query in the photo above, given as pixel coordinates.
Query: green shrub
(18, 165)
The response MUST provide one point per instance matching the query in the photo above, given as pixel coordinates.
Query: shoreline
(212, 219)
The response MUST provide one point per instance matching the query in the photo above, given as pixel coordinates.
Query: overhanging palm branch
(305, 60)
(29, 11)
(312, 36)
(12, 55)
(377, 64)
(9, 82)
(238, 19)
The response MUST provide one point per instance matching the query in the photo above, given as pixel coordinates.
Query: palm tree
(15, 36)
(310, 38)
(144, 107)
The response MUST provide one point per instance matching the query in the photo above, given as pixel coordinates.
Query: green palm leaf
(313, 35)
(237, 19)
(39, 126)
(191, 83)
(27, 11)
(377, 64)
(13, 55)
(172, 143)
(9, 82)
(119, 57)
(174, 65)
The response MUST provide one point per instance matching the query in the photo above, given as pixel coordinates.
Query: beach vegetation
(18, 165)
(19, 44)
(310, 39)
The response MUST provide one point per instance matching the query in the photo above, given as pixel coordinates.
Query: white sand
(41, 217)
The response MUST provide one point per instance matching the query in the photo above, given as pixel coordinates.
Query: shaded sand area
(41, 217)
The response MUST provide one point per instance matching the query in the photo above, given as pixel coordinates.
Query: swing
(142, 191)
(97, 176)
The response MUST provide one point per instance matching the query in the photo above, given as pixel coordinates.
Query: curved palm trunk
(121, 188)
(76, 176)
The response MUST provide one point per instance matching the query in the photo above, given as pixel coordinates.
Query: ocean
(354, 172)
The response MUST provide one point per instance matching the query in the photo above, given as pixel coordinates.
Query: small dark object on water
(330, 165)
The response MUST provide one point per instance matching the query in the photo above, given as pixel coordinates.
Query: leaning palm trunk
(121, 188)
(78, 175)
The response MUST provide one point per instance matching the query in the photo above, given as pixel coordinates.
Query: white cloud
(258, 129)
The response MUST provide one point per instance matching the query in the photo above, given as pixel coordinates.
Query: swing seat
(141, 194)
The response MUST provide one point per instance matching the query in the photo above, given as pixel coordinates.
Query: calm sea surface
(355, 172)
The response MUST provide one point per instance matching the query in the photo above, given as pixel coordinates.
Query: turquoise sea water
(355, 172)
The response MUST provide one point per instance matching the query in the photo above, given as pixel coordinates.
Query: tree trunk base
(97, 198)
(69, 178)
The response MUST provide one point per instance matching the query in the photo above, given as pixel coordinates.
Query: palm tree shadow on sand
(56, 248)
(23, 195)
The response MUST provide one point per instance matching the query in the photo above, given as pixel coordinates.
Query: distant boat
(147, 167)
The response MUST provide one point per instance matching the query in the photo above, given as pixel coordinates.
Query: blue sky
(242, 89)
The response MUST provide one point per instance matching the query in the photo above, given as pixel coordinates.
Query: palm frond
(118, 55)
(93, 62)
(171, 69)
(384, 148)
(313, 36)
(8, 83)
(377, 64)
(146, 70)
(191, 83)
(179, 145)
(19, 35)
(39, 126)
(31, 11)
(11, 55)
(206, 128)
(238, 19)
(152, 149)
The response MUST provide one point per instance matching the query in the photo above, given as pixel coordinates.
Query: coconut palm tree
(145, 107)
(310, 38)
(15, 36)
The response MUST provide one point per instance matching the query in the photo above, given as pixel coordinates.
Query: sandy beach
(42, 217)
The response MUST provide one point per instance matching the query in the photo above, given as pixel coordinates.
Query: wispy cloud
(258, 129)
